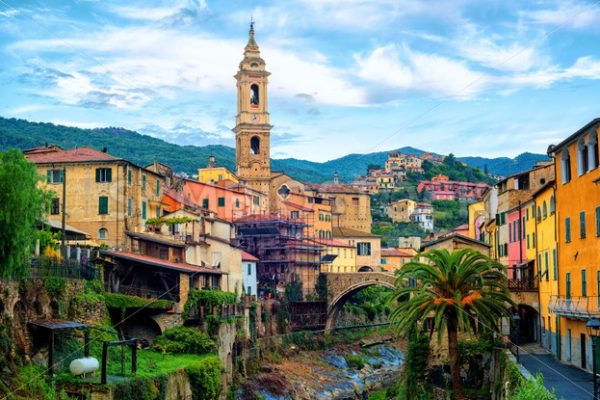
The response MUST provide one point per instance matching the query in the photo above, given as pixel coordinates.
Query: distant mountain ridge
(143, 149)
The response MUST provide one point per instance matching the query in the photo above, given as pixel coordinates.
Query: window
(505, 249)
(598, 285)
(582, 225)
(583, 283)
(102, 205)
(250, 291)
(144, 210)
(157, 187)
(221, 202)
(533, 244)
(522, 228)
(249, 266)
(237, 203)
(568, 230)
(552, 205)
(544, 210)
(205, 203)
(582, 157)
(103, 175)
(143, 182)
(129, 207)
(565, 166)
(129, 176)
(55, 206)
(363, 249)
(55, 176)
(598, 221)
(527, 241)
(554, 265)
(568, 284)
(295, 214)
(539, 214)
(256, 201)
(102, 233)
(546, 266)
(255, 145)
(527, 213)
(592, 149)
(254, 99)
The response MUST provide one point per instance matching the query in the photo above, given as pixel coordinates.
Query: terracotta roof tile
(57, 155)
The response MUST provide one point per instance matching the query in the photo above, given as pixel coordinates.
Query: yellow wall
(344, 262)
(400, 211)
(475, 210)
(83, 194)
(546, 253)
(214, 175)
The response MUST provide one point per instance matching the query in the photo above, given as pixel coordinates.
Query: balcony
(575, 307)
(522, 285)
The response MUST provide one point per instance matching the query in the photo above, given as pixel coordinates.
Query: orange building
(578, 241)
(394, 259)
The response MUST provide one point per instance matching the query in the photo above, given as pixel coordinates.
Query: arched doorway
(527, 325)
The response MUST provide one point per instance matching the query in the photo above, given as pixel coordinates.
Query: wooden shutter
(97, 174)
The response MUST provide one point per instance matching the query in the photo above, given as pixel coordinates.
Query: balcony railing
(67, 269)
(525, 285)
(575, 307)
(148, 293)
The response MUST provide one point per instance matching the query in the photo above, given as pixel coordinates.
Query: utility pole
(64, 206)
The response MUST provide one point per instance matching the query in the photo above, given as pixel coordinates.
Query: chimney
(212, 162)
(104, 149)
(336, 178)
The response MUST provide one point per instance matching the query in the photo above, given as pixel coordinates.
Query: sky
(475, 78)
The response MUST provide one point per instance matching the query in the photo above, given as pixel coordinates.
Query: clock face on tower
(255, 117)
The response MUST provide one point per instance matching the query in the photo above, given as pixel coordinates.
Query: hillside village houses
(157, 230)
(543, 225)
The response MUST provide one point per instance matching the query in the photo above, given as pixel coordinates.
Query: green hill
(143, 149)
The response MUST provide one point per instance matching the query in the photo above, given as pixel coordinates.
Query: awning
(57, 324)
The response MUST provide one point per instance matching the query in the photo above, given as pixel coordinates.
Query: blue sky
(488, 78)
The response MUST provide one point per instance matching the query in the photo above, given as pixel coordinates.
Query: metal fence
(68, 269)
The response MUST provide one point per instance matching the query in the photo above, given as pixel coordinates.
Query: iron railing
(150, 293)
(575, 307)
(68, 269)
(522, 285)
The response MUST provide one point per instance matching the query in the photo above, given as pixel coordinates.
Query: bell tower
(252, 128)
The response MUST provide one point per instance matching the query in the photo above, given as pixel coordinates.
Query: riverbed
(343, 372)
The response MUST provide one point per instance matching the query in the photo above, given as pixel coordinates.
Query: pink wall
(517, 243)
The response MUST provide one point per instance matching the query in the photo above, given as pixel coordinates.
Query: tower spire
(251, 41)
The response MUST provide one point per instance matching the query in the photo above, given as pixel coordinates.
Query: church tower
(252, 128)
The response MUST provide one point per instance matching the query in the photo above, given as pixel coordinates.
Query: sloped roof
(394, 253)
(57, 155)
(248, 257)
(346, 232)
(158, 262)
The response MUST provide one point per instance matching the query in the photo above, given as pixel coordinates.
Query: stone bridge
(341, 286)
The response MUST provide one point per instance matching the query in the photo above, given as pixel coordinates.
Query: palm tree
(455, 290)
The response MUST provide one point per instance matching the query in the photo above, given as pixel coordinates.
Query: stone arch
(54, 309)
(336, 305)
(528, 326)
(38, 309)
(365, 268)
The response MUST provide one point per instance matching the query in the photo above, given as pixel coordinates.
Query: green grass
(377, 395)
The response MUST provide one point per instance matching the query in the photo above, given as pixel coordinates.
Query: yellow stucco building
(544, 245)
(105, 195)
(401, 210)
(339, 256)
(213, 173)
(578, 237)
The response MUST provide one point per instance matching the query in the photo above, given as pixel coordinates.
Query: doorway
(583, 352)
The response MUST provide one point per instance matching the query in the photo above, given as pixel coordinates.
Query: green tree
(23, 205)
(455, 290)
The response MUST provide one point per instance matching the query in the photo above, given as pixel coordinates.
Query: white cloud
(130, 66)
(145, 13)
(26, 109)
(571, 14)
(420, 72)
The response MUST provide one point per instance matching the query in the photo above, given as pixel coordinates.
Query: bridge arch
(339, 298)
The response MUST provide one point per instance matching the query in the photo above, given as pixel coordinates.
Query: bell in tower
(252, 129)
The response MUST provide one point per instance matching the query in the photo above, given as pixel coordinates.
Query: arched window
(565, 166)
(552, 205)
(544, 210)
(255, 145)
(102, 233)
(254, 94)
(539, 214)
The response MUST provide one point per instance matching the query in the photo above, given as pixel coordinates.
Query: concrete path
(570, 382)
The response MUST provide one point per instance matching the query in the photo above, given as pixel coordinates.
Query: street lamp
(517, 320)
(593, 328)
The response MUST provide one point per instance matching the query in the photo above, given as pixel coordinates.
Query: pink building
(517, 259)
(441, 188)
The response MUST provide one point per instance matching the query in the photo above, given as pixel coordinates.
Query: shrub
(210, 298)
(355, 361)
(137, 389)
(55, 287)
(184, 340)
(205, 380)
(123, 301)
(534, 389)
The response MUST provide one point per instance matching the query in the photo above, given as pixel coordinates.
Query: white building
(423, 215)
(249, 273)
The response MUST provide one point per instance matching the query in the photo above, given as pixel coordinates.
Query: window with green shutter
(55, 176)
(102, 205)
(143, 182)
(205, 203)
(546, 266)
(144, 210)
(554, 265)
(129, 207)
(157, 187)
(597, 221)
(221, 202)
(582, 228)
(568, 230)
(568, 284)
(583, 283)
(103, 175)
(129, 176)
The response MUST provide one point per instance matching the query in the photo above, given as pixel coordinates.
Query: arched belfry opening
(254, 97)
(255, 145)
